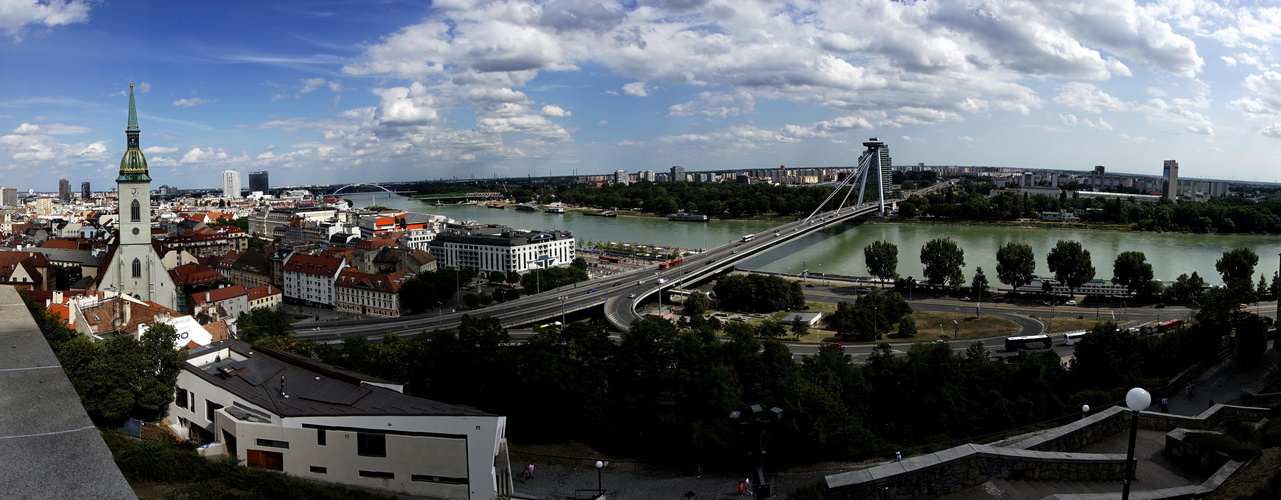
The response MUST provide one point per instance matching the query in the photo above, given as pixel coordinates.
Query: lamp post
(758, 417)
(562, 310)
(1085, 411)
(599, 465)
(911, 286)
(1137, 400)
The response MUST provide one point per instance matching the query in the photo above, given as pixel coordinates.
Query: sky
(319, 92)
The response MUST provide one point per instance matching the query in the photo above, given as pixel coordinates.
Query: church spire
(133, 165)
(133, 114)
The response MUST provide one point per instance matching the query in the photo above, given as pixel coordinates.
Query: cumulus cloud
(51, 129)
(716, 105)
(1068, 119)
(554, 112)
(411, 105)
(207, 155)
(16, 15)
(160, 150)
(27, 128)
(635, 88)
(1273, 130)
(1087, 97)
(187, 103)
(1266, 98)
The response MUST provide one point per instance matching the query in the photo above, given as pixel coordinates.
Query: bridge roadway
(617, 294)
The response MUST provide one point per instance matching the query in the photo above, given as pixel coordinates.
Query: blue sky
(367, 91)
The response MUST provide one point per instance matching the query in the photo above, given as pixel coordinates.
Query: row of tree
(1072, 266)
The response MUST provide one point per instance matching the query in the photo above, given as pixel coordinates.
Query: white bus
(1072, 338)
(748, 237)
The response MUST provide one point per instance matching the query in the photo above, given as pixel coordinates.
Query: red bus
(1166, 326)
(607, 258)
(672, 263)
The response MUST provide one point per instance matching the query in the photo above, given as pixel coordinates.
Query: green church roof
(133, 165)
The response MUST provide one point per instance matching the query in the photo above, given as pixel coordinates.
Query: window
(181, 398)
(376, 474)
(273, 443)
(421, 478)
(319, 470)
(210, 408)
(320, 437)
(270, 460)
(137, 268)
(135, 211)
(371, 445)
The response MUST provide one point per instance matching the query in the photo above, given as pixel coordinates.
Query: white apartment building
(503, 249)
(310, 279)
(231, 184)
(288, 413)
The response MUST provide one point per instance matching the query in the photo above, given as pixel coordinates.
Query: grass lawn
(971, 327)
(1058, 324)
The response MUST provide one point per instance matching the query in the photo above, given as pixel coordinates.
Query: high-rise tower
(258, 181)
(231, 184)
(1170, 180)
(881, 171)
(134, 267)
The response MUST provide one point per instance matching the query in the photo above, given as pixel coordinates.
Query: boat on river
(688, 218)
(554, 210)
(526, 208)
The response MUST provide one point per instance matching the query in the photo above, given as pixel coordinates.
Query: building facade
(288, 413)
(85, 193)
(64, 190)
(678, 174)
(231, 184)
(258, 181)
(503, 249)
(370, 294)
(1170, 180)
(309, 279)
(133, 266)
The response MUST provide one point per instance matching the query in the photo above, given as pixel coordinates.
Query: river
(839, 250)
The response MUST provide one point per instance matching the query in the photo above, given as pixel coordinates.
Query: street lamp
(562, 310)
(1085, 411)
(911, 285)
(599, 465)
(1137, 400)
(758, 417)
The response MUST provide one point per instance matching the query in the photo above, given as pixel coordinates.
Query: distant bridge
(478, 195)
(359, 184)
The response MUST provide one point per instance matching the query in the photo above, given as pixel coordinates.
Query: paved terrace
(48, 446)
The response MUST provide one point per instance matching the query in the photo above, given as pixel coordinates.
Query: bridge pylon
(874, 163)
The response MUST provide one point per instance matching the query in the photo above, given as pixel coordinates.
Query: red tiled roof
(262, 291)
(218, 295)
(194, 274)
(313, 264)
(353, 278)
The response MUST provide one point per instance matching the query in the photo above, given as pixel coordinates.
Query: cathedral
(133, 266)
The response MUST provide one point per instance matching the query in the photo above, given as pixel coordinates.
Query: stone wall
(1191, 455)
(956, 469)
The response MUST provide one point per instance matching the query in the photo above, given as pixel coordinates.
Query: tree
(579, 263)
(979, 284)
(496, 276)
(1186, 288)
(1237, 267)
(1015, 264)
(943, 261)
(1262, 289)
(1132, 270)
(799, 328)
(697, 303)
(881, 258)
(265, 326)
(1070, 263)
(907, 326)
(770, 329)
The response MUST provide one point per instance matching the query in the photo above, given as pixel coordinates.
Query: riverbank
(1063, 226)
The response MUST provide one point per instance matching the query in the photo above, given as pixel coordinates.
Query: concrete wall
(956, 469)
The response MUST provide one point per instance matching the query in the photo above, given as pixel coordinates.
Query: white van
(661, 281)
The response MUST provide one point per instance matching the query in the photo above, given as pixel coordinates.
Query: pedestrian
(1189, 389)
(747, 486)
(1165, 405)
(898, 456)
(528, 474)
(741, 488)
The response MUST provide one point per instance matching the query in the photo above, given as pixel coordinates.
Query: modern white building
(503, 249)
(1170, 179)
(310, 278)
(621, 177)
(292, 414)
(231, 184)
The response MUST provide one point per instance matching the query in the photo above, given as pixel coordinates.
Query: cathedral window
(135, 210)
(137, 268)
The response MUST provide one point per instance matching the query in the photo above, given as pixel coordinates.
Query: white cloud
(603, 122)
(635, 88)
(716, 105)
(27, 128)
(1068, 119)
(406, 105)
(160, 150)
(1087, 97)
(554, 112)
(1098, 124)
(966, 138)
(1266, 99)
(1273, 130)
(187, 103)
(905, 138)
(207, 155)
(16, 15)
(51, 129)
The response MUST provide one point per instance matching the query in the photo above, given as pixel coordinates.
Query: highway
(618, 294)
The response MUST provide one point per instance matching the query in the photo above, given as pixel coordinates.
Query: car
(884, 346)
(809, 285)
(938, 341)
(1160, 305)
(661, 281)
(1070, 303)
(631, 296)
(863, 290)
(640, 282)
(965, 297)
(837, 345)
(592, 291)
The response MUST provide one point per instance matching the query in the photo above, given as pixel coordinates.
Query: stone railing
(1193, 456)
